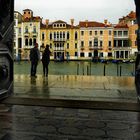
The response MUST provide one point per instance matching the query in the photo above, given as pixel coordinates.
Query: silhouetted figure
(46, 60)
(137, 65)
(34, 58)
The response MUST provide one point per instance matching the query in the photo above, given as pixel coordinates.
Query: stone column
(137, 2)
(137, 64)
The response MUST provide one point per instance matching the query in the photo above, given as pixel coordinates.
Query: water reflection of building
(83, 41)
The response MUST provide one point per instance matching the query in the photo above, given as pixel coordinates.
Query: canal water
(79, 68)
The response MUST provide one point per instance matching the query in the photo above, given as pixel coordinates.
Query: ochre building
(86, 41)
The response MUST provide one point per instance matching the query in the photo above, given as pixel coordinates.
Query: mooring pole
(117, 69)
(90, 68)
(87, 70)
(77, 69)
(83, 70)
(120, 70)
(104, 70)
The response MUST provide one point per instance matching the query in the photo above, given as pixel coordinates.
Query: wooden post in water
(120, 70)
(87, 70)
(77, 69)
(83, 70)
(104, 70)
(90, 69)
(117, 69)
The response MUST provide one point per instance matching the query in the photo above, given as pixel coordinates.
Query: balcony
(91, 48)
(27, 47)
(26, 33)
(97, 47)
(19, 34)
(121, 36)
(59, 39)
(34, 34)
(122, 48)
(110, 47)
(58, 48)
(82, 48)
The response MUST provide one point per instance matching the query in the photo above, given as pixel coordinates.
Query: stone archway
(6, 47)
(6, 31)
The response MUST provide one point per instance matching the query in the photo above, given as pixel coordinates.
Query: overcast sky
(95, 10)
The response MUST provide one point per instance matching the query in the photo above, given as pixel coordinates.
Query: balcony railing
(121, 36)
(95, 47)
(91, 48)
(59, 48)
(27, 47)
(26, 33)
(122, 48)
(82, 47)
(59, 39)
(34, 33)
(110, 47)
(19, 34)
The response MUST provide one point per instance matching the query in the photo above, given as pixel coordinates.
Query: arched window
(68, 35)
(50, 45)
(26, 42)
(50, 36)
(30, 42)
(43, 36)
(96, 42)
(76, 36)
(34, 41)
(19, 30)
(63, 34)
(60, 34)
(26, 29)
(54, 34)
(57, 34)
(34, 29)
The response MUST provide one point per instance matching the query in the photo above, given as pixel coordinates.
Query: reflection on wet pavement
(34, 120)
(73, 87)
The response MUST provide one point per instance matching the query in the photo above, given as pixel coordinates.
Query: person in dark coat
(34, 58)
(46, 60)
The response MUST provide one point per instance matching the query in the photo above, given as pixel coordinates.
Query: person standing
(46, 60)
(34, 58)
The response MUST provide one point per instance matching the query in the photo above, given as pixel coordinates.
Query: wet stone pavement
(92, 88)
(23, 119)
(19, 122)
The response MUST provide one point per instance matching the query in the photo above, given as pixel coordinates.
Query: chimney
(27, 13)
(47, 22)
(72, 22)
(86, 23)
(105, 22)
